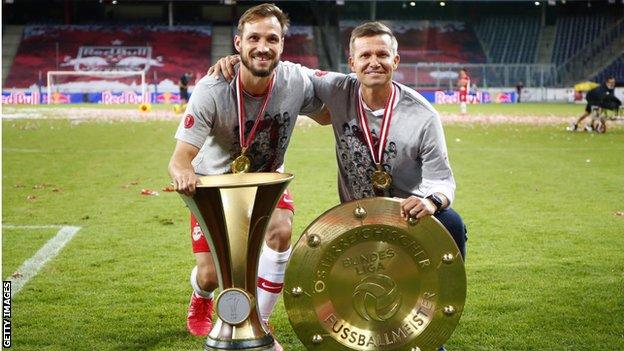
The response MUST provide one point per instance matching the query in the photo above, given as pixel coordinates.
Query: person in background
(519, 87)
(594, 99)
(183, 84)
(463, 83)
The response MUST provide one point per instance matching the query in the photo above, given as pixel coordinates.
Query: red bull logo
(113, 58)
(167, 98)
(443, 97)
(57, 98)
(21, 98)
(124, 98)
(504, 98)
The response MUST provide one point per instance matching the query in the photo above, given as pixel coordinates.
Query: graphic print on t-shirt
(356, 160)
(269, 143)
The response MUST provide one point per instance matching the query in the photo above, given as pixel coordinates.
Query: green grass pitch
(543, 206)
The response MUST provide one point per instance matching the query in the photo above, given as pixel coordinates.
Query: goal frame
(51, 74)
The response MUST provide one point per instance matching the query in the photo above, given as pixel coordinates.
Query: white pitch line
(31, 266)
(12, 226)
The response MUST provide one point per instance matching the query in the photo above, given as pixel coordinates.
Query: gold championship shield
(233, 210)
(363, 278)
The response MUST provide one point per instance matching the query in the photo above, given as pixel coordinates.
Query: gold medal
(241, 164)
(381, 180)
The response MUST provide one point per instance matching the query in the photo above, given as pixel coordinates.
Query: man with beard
(370, 112)
(216, 130)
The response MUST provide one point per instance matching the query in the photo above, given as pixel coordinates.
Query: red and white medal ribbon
(240, 110)
(383, 129)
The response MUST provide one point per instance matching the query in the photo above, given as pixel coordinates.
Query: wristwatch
(437, 201)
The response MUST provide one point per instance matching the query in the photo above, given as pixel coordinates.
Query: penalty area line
(31, 266)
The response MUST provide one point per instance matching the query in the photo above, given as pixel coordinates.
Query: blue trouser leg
(455, 225)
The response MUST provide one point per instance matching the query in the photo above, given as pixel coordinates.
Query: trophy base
(263, 344)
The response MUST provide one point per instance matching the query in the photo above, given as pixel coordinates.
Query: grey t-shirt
(415, 154)
(211, 121)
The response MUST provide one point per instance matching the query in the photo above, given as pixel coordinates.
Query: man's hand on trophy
(416, 207)
(225, 67)
(182, 174)
(184, 182)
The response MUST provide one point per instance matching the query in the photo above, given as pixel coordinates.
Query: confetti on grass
(149, 192)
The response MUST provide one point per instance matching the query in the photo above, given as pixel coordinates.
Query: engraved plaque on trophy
(363, 278)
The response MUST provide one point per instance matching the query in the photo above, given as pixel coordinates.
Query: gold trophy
(234, 211)
(363, 278)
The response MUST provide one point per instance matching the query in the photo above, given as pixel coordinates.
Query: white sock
(198, 291)
(271, 270)
(463, 107)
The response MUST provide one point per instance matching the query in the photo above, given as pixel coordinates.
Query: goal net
(130, 83)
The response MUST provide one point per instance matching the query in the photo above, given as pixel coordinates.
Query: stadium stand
(495, 42)
(615, 69)
(429, 41)
(509, 39)
(299, 46)
(165, 53)
(574, 32)
(11, 38)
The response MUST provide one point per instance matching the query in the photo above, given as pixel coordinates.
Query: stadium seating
(510, 39)
(299, 46)
(429, 41)
(165, 53)
(615, 69)
(574, 32)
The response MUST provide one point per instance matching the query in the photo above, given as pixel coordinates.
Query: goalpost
(109, 80)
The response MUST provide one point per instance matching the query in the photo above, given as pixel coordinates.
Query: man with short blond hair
(389, 139)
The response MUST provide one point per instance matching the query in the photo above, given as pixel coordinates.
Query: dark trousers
(455, 225)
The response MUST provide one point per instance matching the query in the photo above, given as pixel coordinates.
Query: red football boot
(199, 318)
